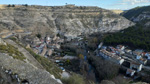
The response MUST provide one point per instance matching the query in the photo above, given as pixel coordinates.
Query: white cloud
(133, 2)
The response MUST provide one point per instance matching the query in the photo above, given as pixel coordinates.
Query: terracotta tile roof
(142, 59)
(110, 54)
(135, 63)
(130, 70)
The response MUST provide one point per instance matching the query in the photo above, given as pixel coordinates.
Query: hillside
(66, 20)
(18, 66)
(136, 37)
(117, 11)
(139, 15)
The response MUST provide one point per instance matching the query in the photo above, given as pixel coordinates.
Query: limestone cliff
(67, 20)
(13, 70)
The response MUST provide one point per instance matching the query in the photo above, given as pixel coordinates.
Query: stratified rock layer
(67, 20)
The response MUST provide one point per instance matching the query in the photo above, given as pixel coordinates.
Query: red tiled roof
(135, 63)
(130, 70)
(110, 54)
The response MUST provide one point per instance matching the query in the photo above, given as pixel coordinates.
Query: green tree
(38, 35)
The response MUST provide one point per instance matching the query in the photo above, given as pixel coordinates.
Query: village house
(119, 52)
(143, 61)
(69, 57)
(57, 46)
(50, 52)
(28, 46)
(114, 53)
(104, 47)
(138, 57)
(44, 51)
(137, 52)
(112, 48)
(100, 45)
(35, 51)
(130, 72)
(128, 51)
(143, 54)
(147, 55)
(36, 41)
(120, 47)
(58, 58)
(57, 61)
(108, 55)
(136, 66)
(55, 37)
(48, 39)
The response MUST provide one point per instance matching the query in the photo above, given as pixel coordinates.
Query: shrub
(104, 69)
(74, 79)
(13, 5)
(38, 35)
(47, 64)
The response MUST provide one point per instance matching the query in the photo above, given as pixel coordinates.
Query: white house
(69, 57)
(143, 61)
(120, 52)
(50, 52)
(128, 51)
(100, 45)
(104, 47)
(138, 57)
(147, 55)
(112, 57)
(57, 61)
(136, 66)
(121, 47)
(130, 72)
(137, 52)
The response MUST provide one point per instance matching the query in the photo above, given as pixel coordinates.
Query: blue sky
(107, 4)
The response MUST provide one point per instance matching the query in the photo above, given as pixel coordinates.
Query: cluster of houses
(50, 47)
(108, 55)
(120, 54)
(47, 45)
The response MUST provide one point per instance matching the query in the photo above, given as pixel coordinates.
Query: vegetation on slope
(135, 11)
(47, 64)
(74, 79)
(135, 37)
(12, 51)
(105, 70)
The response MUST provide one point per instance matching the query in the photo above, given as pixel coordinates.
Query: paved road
(29, 57)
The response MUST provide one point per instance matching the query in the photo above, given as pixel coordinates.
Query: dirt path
(29, 57)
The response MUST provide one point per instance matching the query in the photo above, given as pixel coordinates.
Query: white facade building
(108, 55)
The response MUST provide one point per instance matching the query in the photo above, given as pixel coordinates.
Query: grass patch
(47, 64)
(12, 51)
(74, 79)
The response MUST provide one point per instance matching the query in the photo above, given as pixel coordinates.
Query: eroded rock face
(5, 78)
(66, 20)
(143, 18)
(140, 15)
(25, 71)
